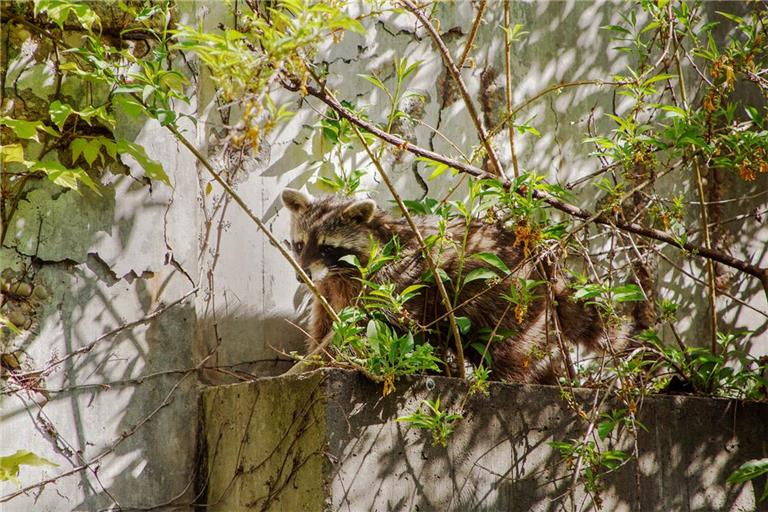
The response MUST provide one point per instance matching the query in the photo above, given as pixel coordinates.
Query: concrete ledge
(326, 440)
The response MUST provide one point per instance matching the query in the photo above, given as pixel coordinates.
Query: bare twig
(129, 325)
(572, 210)
(552, 88)
(508, 91)
(264, 229)
(456, 74)
(712, 295)
(472, 33)
(87, 465)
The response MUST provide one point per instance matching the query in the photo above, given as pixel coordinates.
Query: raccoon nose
(306, 271)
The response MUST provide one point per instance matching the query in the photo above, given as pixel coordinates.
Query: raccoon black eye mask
(332, 256)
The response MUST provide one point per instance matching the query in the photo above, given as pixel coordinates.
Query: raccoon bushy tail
(582, 324)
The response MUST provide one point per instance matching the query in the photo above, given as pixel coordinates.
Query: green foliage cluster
(70, 137)
(728, 373)
(430, 417)
(10, 464)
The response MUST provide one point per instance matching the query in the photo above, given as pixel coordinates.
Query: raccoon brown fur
(326, 229)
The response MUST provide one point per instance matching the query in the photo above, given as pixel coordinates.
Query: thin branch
(87, 348)
(264, 229)
(472, 33)
(424, 251)
(456, 74)
(508, 91)
(700, 281)
(574, 211)
(712, 288)
(301, 365)
(513, 112)
(87, 465)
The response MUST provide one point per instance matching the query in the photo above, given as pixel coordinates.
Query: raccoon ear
(295, 201)
(360, 211)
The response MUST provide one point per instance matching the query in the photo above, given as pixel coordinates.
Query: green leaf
(611, 459)
(651, 26)
(526, 128)
(478, 274)
(605, 428)
(4, 322)
(129, 105)
(736, 19)
(351, 259)
(616, 28)
(173, 80)
(59, 10)
(148, 12)
(375, 81)
(564, 447)
(64, 177)
(89, 148)
(659, 78)
(21, 128)
(341, 21)
(412, 289)
(85, 15)
(10, 464)
(674, 111)
(13, 153)
(330, 134)
(480, 349)
(59, 113)
(749, 470)
(152, 168)
(493, 260)
(100, 113)
(429, 277)
(628, 293)
(588, 291)
(514, 33)
(464, 324)
(438, 168)
(147, 92)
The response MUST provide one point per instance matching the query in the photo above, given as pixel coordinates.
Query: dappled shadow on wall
(330, 440)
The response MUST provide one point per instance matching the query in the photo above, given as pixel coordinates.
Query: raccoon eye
(326, 250)
(298, 246)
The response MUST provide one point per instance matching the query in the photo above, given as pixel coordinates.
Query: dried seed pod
(22, 289)
(40, 292)
(7, 275)
(18, 318)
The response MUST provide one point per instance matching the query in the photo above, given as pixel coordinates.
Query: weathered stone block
(328, 440)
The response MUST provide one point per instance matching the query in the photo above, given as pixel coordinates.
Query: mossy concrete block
(328, 440)
(45, 227)
(266, 444)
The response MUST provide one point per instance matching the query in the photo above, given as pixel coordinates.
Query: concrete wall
(128, 407)
(110, 261)
(329, 441)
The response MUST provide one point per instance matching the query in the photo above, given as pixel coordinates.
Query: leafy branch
(572, 210)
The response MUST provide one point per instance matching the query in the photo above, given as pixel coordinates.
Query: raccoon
(324, 230)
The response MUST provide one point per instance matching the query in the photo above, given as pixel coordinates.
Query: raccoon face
(325, 230)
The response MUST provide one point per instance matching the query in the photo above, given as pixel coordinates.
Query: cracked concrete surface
(43, 225)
